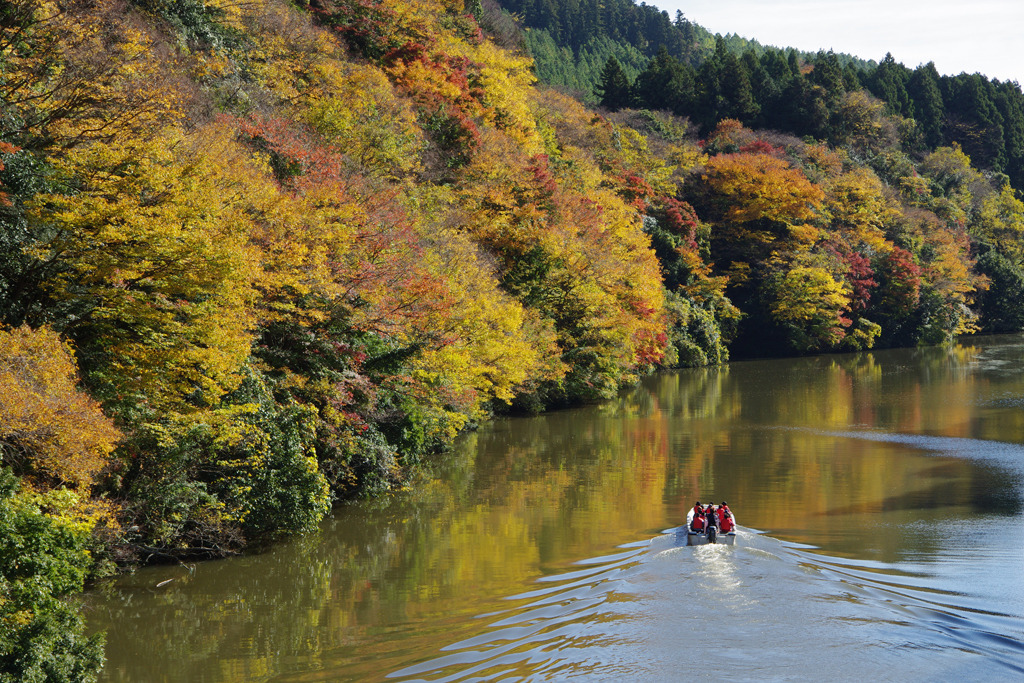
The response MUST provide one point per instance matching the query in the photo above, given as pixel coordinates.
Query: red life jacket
(726, 523)
(697, 523)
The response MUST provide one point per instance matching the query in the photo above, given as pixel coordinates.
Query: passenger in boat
(697, 524)
(722, 511)
(726, 522)
(709, 513)
(693, 512)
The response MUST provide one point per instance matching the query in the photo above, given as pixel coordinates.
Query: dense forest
(925, 143)
(571, 40)
(678, 66)
(820, 98)
(259, 256)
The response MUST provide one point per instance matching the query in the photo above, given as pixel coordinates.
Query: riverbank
(537, 549)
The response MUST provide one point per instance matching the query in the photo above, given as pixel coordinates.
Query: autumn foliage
(259, 256)
(299, 247)
(51, 431)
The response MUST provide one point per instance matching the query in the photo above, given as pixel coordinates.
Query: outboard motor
(712, 534)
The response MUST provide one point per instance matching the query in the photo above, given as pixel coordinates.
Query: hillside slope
(708, 78)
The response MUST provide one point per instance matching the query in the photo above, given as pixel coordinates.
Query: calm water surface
(882, 535)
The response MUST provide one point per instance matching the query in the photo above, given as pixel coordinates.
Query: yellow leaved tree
(859, 210)
(155, 262)
(82, 72)
(810, 303)
(1000, 221)
(50, 430)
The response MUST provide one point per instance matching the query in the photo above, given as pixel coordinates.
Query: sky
(984, 36)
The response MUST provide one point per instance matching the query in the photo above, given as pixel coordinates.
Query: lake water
(879, 497)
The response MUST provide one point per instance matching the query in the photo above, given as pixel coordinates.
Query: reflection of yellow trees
(390, 581)
(535, 514)
(778, 453)
(694, 394)
(523, 499)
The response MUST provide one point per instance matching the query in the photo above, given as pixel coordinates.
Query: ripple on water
(760, 609)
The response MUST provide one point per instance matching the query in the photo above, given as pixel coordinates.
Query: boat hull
(724, 538)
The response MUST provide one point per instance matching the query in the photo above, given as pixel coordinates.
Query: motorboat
(719, 537)
(710, 533)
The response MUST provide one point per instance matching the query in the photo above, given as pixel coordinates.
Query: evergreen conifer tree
(666, 84)
(828, 74)
(1010, 102)
(615, 87)
(736, 92)
(974, 122)
(923, 88)
(889, 83)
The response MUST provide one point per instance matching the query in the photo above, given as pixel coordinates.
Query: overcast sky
(985, 36)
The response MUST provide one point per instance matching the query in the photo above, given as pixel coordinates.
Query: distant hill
(707, 78)
(572, 39)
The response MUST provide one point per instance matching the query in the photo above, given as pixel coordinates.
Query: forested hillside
(571, 40)
(676, 65)
(932, 163)
(258, 256)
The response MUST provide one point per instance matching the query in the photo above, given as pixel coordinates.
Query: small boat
(701, 538)
(711, 533)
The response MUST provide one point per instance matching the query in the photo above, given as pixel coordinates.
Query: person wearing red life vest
(695, 511)
(725, 518)
(694, 519)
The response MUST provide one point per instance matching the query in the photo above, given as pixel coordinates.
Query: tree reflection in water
(833, 451)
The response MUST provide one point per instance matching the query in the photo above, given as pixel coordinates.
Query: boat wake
(659, 610)
(1009, 455)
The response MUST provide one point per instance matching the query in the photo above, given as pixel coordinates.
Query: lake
(879, 497)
